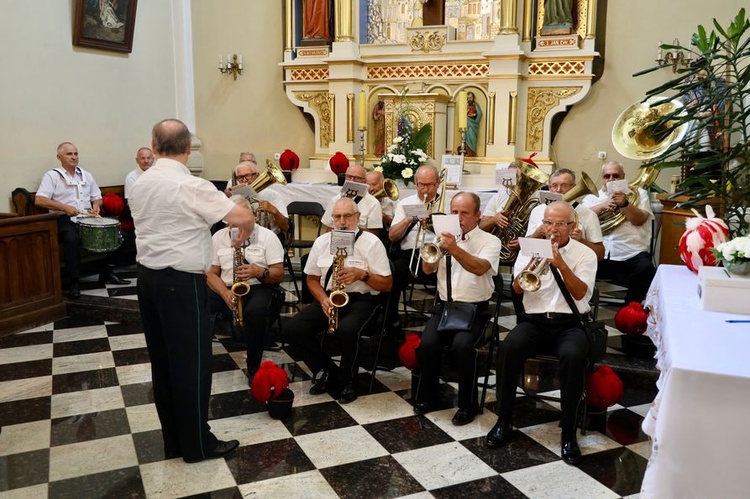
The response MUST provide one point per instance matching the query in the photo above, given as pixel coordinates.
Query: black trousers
(566, 339)
(256, 306)
(70, 240)
(635, 274)
(463, 350)
(304, 329)
(175, 314)
(402, 277)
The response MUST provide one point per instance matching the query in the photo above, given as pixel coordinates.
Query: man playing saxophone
(548, 324)
(363, 275)
(627, 260)
(261, 266)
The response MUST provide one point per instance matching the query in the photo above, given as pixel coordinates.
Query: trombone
(425, 225)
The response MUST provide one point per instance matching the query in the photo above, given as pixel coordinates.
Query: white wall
(104, 102)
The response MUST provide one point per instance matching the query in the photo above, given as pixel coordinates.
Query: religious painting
(104, 24)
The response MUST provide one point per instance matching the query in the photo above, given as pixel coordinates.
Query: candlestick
(362, 111)
(461, 106)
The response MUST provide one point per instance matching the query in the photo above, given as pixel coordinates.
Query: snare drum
(99, 234)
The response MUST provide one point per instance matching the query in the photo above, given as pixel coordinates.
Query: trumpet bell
(431, 252)
(641, 132)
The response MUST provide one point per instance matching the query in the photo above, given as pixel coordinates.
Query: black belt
(555, 315)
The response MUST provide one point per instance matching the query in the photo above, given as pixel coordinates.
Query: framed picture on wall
(104, 24)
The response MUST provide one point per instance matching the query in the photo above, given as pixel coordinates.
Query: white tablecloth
(699, 419)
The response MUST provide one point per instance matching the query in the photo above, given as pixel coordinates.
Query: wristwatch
(366, 277)
(265, 274)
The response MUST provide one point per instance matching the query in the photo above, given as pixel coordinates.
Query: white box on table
(723, 292)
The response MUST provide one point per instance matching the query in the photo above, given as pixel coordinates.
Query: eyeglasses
(246, 177)
(558, 224)
(425, 185)
(355, 178)
(613, 176)
(560, 186)
(344, 216)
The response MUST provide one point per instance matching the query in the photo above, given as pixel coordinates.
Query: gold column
(350, 117)
(332, 107)
(512, 114)
(591, 19)
(491, 124)
(528, 13)
(509, 18)
(288, 26)
(343, 21)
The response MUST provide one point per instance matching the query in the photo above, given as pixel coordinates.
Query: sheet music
(342, 239)
(535, 247)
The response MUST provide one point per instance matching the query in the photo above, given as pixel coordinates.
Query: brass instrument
(530, 278)
(389, 189)
(272, 175)
(643, 131)
(338, 297)
(425, 225)
(432, 252)
(583, 187)
(239, 288)
(518, 208)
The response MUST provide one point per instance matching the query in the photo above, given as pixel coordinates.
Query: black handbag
(596, 331)
(455, 316)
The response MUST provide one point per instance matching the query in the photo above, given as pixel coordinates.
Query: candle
(461, 110)
(229, 60)
(221, 62)
(362, 111)
(659, 53)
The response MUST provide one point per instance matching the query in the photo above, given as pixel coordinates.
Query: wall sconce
(675, 57)
(233, 65)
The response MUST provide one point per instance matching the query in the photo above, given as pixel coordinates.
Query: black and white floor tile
(78, 420)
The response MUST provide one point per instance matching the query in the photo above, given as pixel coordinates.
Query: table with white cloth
(699, 420)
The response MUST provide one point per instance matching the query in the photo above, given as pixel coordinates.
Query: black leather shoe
(462, 417)
(319, 383)
(423, 407)
(113, 279)
(222, 449)
(570, 451)
(499, 435)
(74, 292)
(348, 394)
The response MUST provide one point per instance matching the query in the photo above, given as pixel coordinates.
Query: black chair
(297, 211)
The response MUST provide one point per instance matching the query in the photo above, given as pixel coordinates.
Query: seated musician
(72, 191)
(586, 231)
(473, 263)
(375, 181)
(363, 275)
(262, 267)
(627, 260)
(404, 231)
(271, 209)
(368, 206)
(549, 324)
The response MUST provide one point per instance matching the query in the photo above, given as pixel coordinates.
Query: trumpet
(239, 288)
(432, 252)
(530, 278)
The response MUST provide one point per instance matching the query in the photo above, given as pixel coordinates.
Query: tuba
(518, 208)
(389, 189)
(338, 297)
(239, 288)
(272, 175)
(644, 131)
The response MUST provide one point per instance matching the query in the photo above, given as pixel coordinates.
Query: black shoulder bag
(456, 315)
(596, 331)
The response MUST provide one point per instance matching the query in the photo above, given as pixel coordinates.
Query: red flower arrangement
(339, 163)
(631, 319)
(289, 161)
(407, 353)
(269, 381)
(603, 388)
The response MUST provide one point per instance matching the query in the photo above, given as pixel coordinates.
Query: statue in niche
(473, 117)
(558, 17)
(316, 22)
(378, 116)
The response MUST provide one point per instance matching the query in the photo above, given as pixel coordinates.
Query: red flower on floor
(268, 382)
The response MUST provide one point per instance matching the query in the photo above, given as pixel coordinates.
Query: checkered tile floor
(78, 420)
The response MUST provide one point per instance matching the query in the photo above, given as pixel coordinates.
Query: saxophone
(338, 297)
(239, 288)
(518, 208)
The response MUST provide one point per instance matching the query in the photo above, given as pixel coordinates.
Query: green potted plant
(714, 156)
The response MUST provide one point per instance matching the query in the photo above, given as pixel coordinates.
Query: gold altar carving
(556, 68)
(421, 110)
(477, 70)
(350, 117)
(309, 74)
(491, 121)
(427, 41)
(319, 102)
(539, 101)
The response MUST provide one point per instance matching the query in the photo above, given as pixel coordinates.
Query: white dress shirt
(79, 189)
(264, 249)
(588, 222)
(369, 207)
(130, 180)
(173, 212)
(410, 239)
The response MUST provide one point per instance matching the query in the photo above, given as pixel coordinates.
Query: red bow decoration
(603, 388)
(407, 351)
(112, 204)
(339, 163)
(268, 382)
(631, 319)
(530, 160)
(289, 160)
